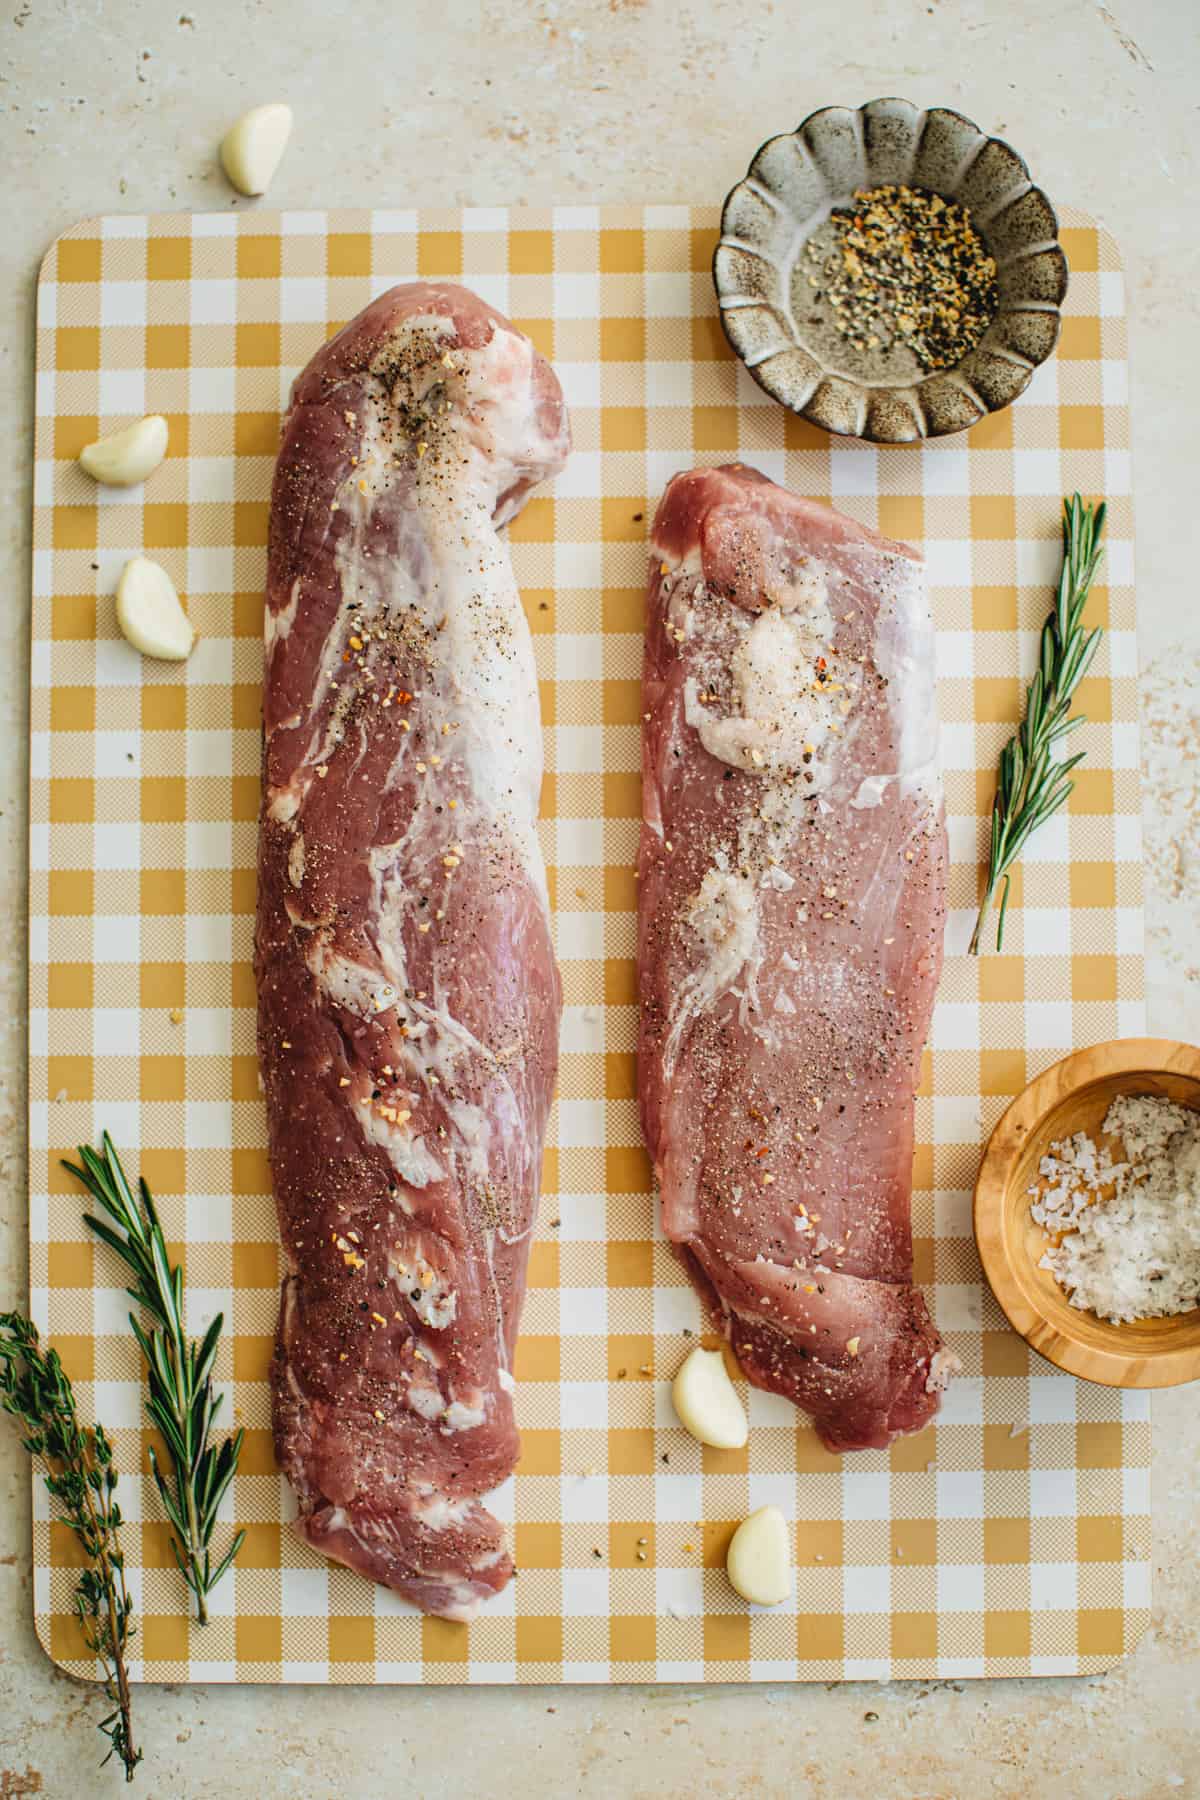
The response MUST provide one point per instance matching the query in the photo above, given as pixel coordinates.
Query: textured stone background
(105, 107)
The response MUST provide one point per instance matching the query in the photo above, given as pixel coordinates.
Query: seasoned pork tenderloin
(791, 905)
(408, 998)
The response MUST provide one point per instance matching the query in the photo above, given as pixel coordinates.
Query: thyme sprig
(181, 1401)
(1032, 785)
(82, 1477)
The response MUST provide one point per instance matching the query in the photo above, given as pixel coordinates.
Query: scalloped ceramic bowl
(784, 333)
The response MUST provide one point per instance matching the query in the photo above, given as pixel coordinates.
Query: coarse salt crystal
(1130, 1231)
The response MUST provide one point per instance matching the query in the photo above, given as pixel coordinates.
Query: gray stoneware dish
(790, 346)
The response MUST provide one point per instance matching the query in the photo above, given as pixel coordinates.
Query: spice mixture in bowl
(903, 272)
(889, 273)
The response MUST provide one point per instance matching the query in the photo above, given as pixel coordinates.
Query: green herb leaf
(80, 1476)
(1031, 786)
(181, 1401)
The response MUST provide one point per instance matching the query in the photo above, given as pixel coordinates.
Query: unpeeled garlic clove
(707, 1401)
(252, 149)
(759, 1560)
(149, 612)
(128, 456)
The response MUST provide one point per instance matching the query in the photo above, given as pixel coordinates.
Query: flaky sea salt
(1131, 1248)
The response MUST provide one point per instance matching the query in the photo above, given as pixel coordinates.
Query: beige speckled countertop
(117, 106)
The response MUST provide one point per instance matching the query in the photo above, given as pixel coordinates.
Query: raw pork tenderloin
(408, 994)
(791, 904)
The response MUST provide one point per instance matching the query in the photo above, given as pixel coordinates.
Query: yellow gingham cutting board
(1013, 1538)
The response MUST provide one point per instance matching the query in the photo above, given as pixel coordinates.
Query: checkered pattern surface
(1012, 1538)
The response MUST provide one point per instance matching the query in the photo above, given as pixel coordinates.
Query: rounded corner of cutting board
(78, 1668)
(83, 229)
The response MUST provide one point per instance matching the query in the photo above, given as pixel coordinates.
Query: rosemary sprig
(81, 1476)
(1031, 786)
(181, 1403)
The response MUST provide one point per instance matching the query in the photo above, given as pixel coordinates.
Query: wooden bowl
(1073, 1096)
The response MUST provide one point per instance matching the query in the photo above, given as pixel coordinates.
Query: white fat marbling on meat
(439, 1512)
(287, 1312)
(438, 1045)
(431, 1297)
(296, 861)
(904, 654)
(480, 647)
(278, 625)
(776, 876)
(435, 1051)
(489, 1246)
(459, 1417)
(483, 676)
(350, 985)
(426, 1401)
(723, 918)
(871, 790)
(462, 1601)
(409, 1155)
(285, 801)
(683, 573)
(474, 1127)
(781, 706)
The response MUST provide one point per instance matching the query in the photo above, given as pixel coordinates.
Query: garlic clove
(759, 1560)
(252, 149)
(707, 1401)
(128, 456)
(149, 612)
